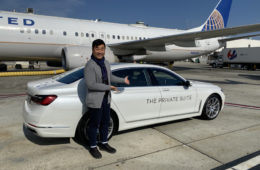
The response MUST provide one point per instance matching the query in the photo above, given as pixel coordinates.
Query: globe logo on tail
(231, 55)
(214, 22)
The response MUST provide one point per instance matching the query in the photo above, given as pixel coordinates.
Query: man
(98, 78)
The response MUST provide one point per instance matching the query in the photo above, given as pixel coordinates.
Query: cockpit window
(70, 77)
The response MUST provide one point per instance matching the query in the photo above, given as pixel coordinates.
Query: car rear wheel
(211, 107)
(82, 129)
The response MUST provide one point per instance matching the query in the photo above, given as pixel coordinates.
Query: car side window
(137, 77)
(165, 78)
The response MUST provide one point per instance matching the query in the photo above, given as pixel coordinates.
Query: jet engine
(76, 56)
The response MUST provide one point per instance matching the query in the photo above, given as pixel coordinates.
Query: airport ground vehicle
(56, 107)
(245, 58)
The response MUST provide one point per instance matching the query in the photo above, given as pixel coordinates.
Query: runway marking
(242, 106)
(249, 164)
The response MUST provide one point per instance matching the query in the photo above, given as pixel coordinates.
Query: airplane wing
(238, 37)
(184, 38)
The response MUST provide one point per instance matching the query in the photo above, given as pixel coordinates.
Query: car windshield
(70, 76)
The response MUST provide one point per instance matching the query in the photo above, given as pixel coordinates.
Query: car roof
(115, 66)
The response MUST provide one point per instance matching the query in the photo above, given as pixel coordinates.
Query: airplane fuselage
(36, 37)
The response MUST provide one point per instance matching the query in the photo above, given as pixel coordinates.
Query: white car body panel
(175, 100)
(60, 118)
(137, 96)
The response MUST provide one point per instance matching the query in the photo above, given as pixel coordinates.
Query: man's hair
(98, 42)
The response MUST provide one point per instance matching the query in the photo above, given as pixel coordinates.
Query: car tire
(211, 107)
(81, 132)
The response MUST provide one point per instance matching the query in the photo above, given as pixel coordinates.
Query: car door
(176, 98)
(137, 101)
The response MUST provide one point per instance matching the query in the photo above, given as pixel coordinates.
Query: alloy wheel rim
(110, 127)
(212, 107)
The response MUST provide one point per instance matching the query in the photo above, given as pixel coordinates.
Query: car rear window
(71, 77)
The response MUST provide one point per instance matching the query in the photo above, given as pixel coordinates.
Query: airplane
(67, 42)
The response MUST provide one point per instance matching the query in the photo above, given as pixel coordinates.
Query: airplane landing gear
(3, 67)
(170, 65)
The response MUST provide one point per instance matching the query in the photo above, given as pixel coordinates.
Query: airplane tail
(218, 19)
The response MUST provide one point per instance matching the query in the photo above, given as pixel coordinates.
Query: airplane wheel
(18, 66)
(3, 67)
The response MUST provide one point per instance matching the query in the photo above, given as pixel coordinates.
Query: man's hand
(114, 88)
(127, 81)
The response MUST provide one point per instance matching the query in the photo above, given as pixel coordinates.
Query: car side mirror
(187, 83)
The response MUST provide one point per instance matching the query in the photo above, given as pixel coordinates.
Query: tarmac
(231, 141)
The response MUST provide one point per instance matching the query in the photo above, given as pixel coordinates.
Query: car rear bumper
(48, 131)
(32, 121)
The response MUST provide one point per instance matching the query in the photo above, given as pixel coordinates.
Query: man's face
(99, 51)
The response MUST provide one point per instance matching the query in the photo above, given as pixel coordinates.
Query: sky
(180, 14)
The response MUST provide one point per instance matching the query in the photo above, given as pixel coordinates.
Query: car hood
(203, 84)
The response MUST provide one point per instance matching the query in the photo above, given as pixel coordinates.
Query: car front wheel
(211, 107)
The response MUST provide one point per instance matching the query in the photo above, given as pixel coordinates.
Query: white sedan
(56, 107)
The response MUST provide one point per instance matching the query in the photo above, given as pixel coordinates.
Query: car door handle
(166, 89)
(118, 92)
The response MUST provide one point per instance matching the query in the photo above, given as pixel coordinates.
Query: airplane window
(118, 37)
(92, 35)
(114, 36)
(76, 34)
(132, 38)
(123, 37)
(108, 36)
(64, 33)
(102, 35)
(22, 31)
(36, 31)
(43, 31)
(136, 38)
(127, 37)
(140, 38)
(87, 35)
(82, 34)
(51, 32)
(28, 30)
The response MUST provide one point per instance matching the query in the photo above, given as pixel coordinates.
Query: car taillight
(43, 99)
